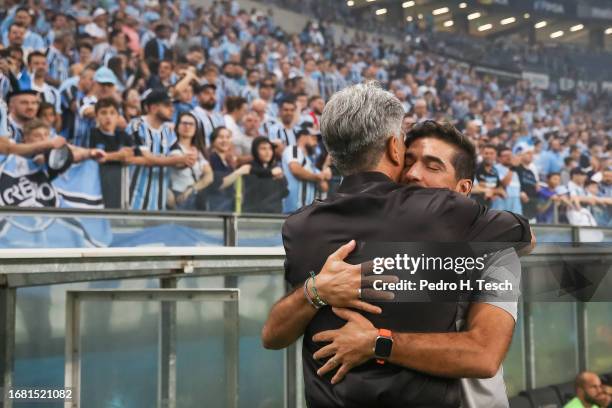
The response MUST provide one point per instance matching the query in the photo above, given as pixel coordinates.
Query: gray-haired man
(361, 127)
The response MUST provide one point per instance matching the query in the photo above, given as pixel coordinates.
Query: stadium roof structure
(584, 23)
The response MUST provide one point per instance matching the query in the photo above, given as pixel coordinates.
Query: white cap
(99, 12)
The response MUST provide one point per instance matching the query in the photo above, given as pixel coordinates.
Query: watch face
(383, 347)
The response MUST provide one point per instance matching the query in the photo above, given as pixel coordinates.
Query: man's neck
(16, 120)
(387, 170)
(108, 131)
(154, 121)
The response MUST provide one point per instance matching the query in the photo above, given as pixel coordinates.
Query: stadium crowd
(217, 108)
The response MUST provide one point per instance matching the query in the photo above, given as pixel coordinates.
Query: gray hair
(356, 124)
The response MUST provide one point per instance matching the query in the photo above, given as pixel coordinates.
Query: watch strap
(383, 333)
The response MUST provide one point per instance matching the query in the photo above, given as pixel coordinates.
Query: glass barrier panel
(549, 233)
(514, 364)
(40, 328)
(556, 342)
(62, 230)
(599, 337)
(259, 232)
(261, 371)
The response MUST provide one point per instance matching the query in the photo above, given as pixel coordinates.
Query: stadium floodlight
(556, 34)
(485, 27)
(577, 27)
(508, 20)
(407, 4)
(473, 16)
(350, 3)
(442, 10)
(526, 16)
(369, 1)
(381, 11)
(608, 31)
(462, 5)
(540, 24)
(449, 23)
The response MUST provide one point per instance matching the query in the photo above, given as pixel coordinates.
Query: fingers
(327, 335)
(347, 314)
(343, 251)
(341, 373)
(366, 307)
(326, 351)
(328, 366)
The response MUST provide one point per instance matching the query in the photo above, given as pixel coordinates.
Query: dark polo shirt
(371, 207)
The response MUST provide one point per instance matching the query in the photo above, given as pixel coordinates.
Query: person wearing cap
(9, 146)
(527, 179)
(509, 180)
(205, 112)
(154, 134)
(23, 107)
(98, 27)
(303, 177)
(105, 86)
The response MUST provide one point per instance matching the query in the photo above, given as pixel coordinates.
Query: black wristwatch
(383, 345)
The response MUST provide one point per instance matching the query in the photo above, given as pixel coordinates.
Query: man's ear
(464, 186)
(394, 151)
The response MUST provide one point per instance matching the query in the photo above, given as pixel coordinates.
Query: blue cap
(105, 76)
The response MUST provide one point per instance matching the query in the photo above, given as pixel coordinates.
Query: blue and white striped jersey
(208, 120)
(4, 129)
(277, 131)
(301, 192)
(149, 185)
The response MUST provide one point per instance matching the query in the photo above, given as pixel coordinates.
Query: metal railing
(30, 267)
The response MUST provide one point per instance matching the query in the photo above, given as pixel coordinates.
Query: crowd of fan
(217, 108)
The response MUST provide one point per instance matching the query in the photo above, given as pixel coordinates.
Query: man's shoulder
(575, 403)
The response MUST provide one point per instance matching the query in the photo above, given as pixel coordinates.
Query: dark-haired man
(487, 183)
(303, 177)
(417, 369)
(205, 112)
(282, 133)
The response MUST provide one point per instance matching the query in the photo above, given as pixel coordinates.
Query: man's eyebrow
(433, 159)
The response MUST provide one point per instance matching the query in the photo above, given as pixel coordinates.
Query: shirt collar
(359, 181)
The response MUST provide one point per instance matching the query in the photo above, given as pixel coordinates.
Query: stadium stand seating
(545, 397)
(520, 401)
(565, 391)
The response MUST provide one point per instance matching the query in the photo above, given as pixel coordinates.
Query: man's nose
(413, 174)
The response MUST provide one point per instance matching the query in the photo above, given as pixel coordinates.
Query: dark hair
(85, 44)
(290, 101)
(35, 54)
(502, 148)
(43, 107)
(199, 141)
(106, 103)
(464, 159)
(259, 140)
(568, 160)
(233, 103)
(215, 134)
(552, 174)
(18, 25)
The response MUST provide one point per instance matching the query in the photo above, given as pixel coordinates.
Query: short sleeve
(486, 225)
